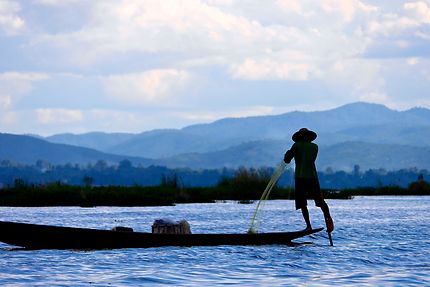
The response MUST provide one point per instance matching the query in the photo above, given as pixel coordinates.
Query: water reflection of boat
(35, 236)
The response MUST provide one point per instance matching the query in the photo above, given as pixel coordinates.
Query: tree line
(102, 173)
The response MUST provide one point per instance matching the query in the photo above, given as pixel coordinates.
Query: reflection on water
(378, 241)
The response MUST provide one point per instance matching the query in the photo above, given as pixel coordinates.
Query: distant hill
(396, 133)
(94, 140)
(363, 122)
(28, 149)
(370, 135)
(342, 156)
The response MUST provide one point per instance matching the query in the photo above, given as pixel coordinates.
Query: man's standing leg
(305, 213)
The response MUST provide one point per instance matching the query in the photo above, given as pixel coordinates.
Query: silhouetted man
(305, 152)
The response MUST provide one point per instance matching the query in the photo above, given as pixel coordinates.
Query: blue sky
(131, 66)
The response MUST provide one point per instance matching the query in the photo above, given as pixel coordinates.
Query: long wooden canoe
(35, 236)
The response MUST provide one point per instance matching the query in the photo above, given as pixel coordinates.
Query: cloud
(130, 121)
(293, 6)
(149, 55)
(15, 85)
(423, 35)
(421, 11)
(374, 97)
(412, 61)
(347, 9)
(219, 33)
(59, 116)
(10, 22)
(20, 76)
(362, 78)
(8, 118)
(157, 87)
(269, 69)
(208, 116)
(154, 26)
(413, 15)
(49, 121)
(58, 2)
(391, 24)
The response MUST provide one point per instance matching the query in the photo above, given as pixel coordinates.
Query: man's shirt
(304, 154)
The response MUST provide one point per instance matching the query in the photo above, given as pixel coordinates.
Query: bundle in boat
(122, 229)
(169, 226)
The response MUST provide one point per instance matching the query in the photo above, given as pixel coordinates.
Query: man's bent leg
(325, 209)
(327, 217)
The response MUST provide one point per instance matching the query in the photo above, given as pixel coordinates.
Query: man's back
(305, 154)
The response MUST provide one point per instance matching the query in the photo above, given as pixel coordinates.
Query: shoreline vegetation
(126, 174)
(244, 188)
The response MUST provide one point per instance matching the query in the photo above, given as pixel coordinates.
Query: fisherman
(304, 152)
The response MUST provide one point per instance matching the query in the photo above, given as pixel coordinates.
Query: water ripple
(377, 242)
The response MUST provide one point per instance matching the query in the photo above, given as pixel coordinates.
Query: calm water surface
(378, 241)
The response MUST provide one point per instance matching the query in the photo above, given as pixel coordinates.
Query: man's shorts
(305, 187)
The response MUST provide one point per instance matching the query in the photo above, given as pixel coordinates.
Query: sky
(132, 66)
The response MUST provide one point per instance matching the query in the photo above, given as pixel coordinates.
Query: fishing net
(255, 220)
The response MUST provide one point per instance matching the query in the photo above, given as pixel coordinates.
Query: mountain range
(26, 149)
(369, 135)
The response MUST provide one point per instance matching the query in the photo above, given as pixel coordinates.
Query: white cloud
(59, 116)
(421, 11)
(128, 121)
(170, 43)
(267, 69)
(363, 79)
(347, 8)
(422, 35)
(209, 116)
(51, 121)
(47, 121)
(10, 22)
(412, 61)
(155, 26)
(374, 97)
(158, 87)
(15, 85)
(391, 24)
(8, 118)
(213, 33)
(220, 2)
(23, 76)
(5, 101)
(414, 15)
(58, 2)
(294, 6)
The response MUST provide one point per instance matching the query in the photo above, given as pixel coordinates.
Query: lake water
(378, 241)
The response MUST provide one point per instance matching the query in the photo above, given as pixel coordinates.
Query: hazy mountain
(165, 143)
(398, 133)
(28, 149)
(95, 140)
(331, 121)
(342, 156)
(363, 122)
(369, 135)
